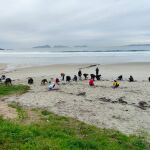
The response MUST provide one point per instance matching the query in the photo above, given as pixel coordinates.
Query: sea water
(69, 55)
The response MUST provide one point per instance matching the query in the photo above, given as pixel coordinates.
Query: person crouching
(53, 86)
(91, 82)
(115, 84)
(57, 81)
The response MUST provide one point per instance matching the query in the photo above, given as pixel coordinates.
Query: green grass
(22, 114)
(13, 89)
(62, 133)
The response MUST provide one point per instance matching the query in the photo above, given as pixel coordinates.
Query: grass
(62, 133)
(22, 114)
(13, 89)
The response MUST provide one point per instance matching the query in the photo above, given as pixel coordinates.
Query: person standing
(63, 76)
(79, 74)
(97, 71)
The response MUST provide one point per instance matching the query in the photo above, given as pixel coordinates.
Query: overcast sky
(27, 23)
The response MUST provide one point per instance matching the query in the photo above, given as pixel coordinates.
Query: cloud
(26, 23)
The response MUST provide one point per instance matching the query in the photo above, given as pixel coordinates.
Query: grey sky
(27, 23)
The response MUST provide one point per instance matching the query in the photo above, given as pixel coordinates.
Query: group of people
(54, 85)
(91, 81)
(116, 83)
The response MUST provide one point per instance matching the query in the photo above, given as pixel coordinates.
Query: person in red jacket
(91, 82)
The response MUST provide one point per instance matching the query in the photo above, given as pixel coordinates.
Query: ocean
(45, 56)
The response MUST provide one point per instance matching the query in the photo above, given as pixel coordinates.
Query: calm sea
(76, 55)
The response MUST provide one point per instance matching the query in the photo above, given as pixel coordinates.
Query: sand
(102, 105)
(7, 112)
(2, 68)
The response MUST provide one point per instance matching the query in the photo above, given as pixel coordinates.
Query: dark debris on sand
(119, 100)
(81, 94)
(104, 99)
(90, 66)
(142, 104)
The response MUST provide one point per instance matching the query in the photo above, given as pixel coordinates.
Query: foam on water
(51, 56)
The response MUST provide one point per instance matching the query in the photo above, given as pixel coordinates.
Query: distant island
(139, 45)
(60, 46)
(2, 49)
(10, 49)
(42, 46)
(80, 46)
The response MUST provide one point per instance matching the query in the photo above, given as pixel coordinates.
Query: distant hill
(60, 46)
(42, 46)
(139, 45)
(2, 49)
(80, 46)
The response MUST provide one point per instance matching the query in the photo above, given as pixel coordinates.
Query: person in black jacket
(75, 78)
(131, 79)
(79, 74)
(120, 77)
(97, 71)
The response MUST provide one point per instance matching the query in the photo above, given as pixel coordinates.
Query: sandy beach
(101, 106)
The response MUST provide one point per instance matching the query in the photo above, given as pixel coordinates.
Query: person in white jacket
(53, 86)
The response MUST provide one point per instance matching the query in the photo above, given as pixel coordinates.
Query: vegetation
(61, 133)
(22, 114)
(13, 89)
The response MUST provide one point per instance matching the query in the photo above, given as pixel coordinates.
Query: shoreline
(139, 70)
